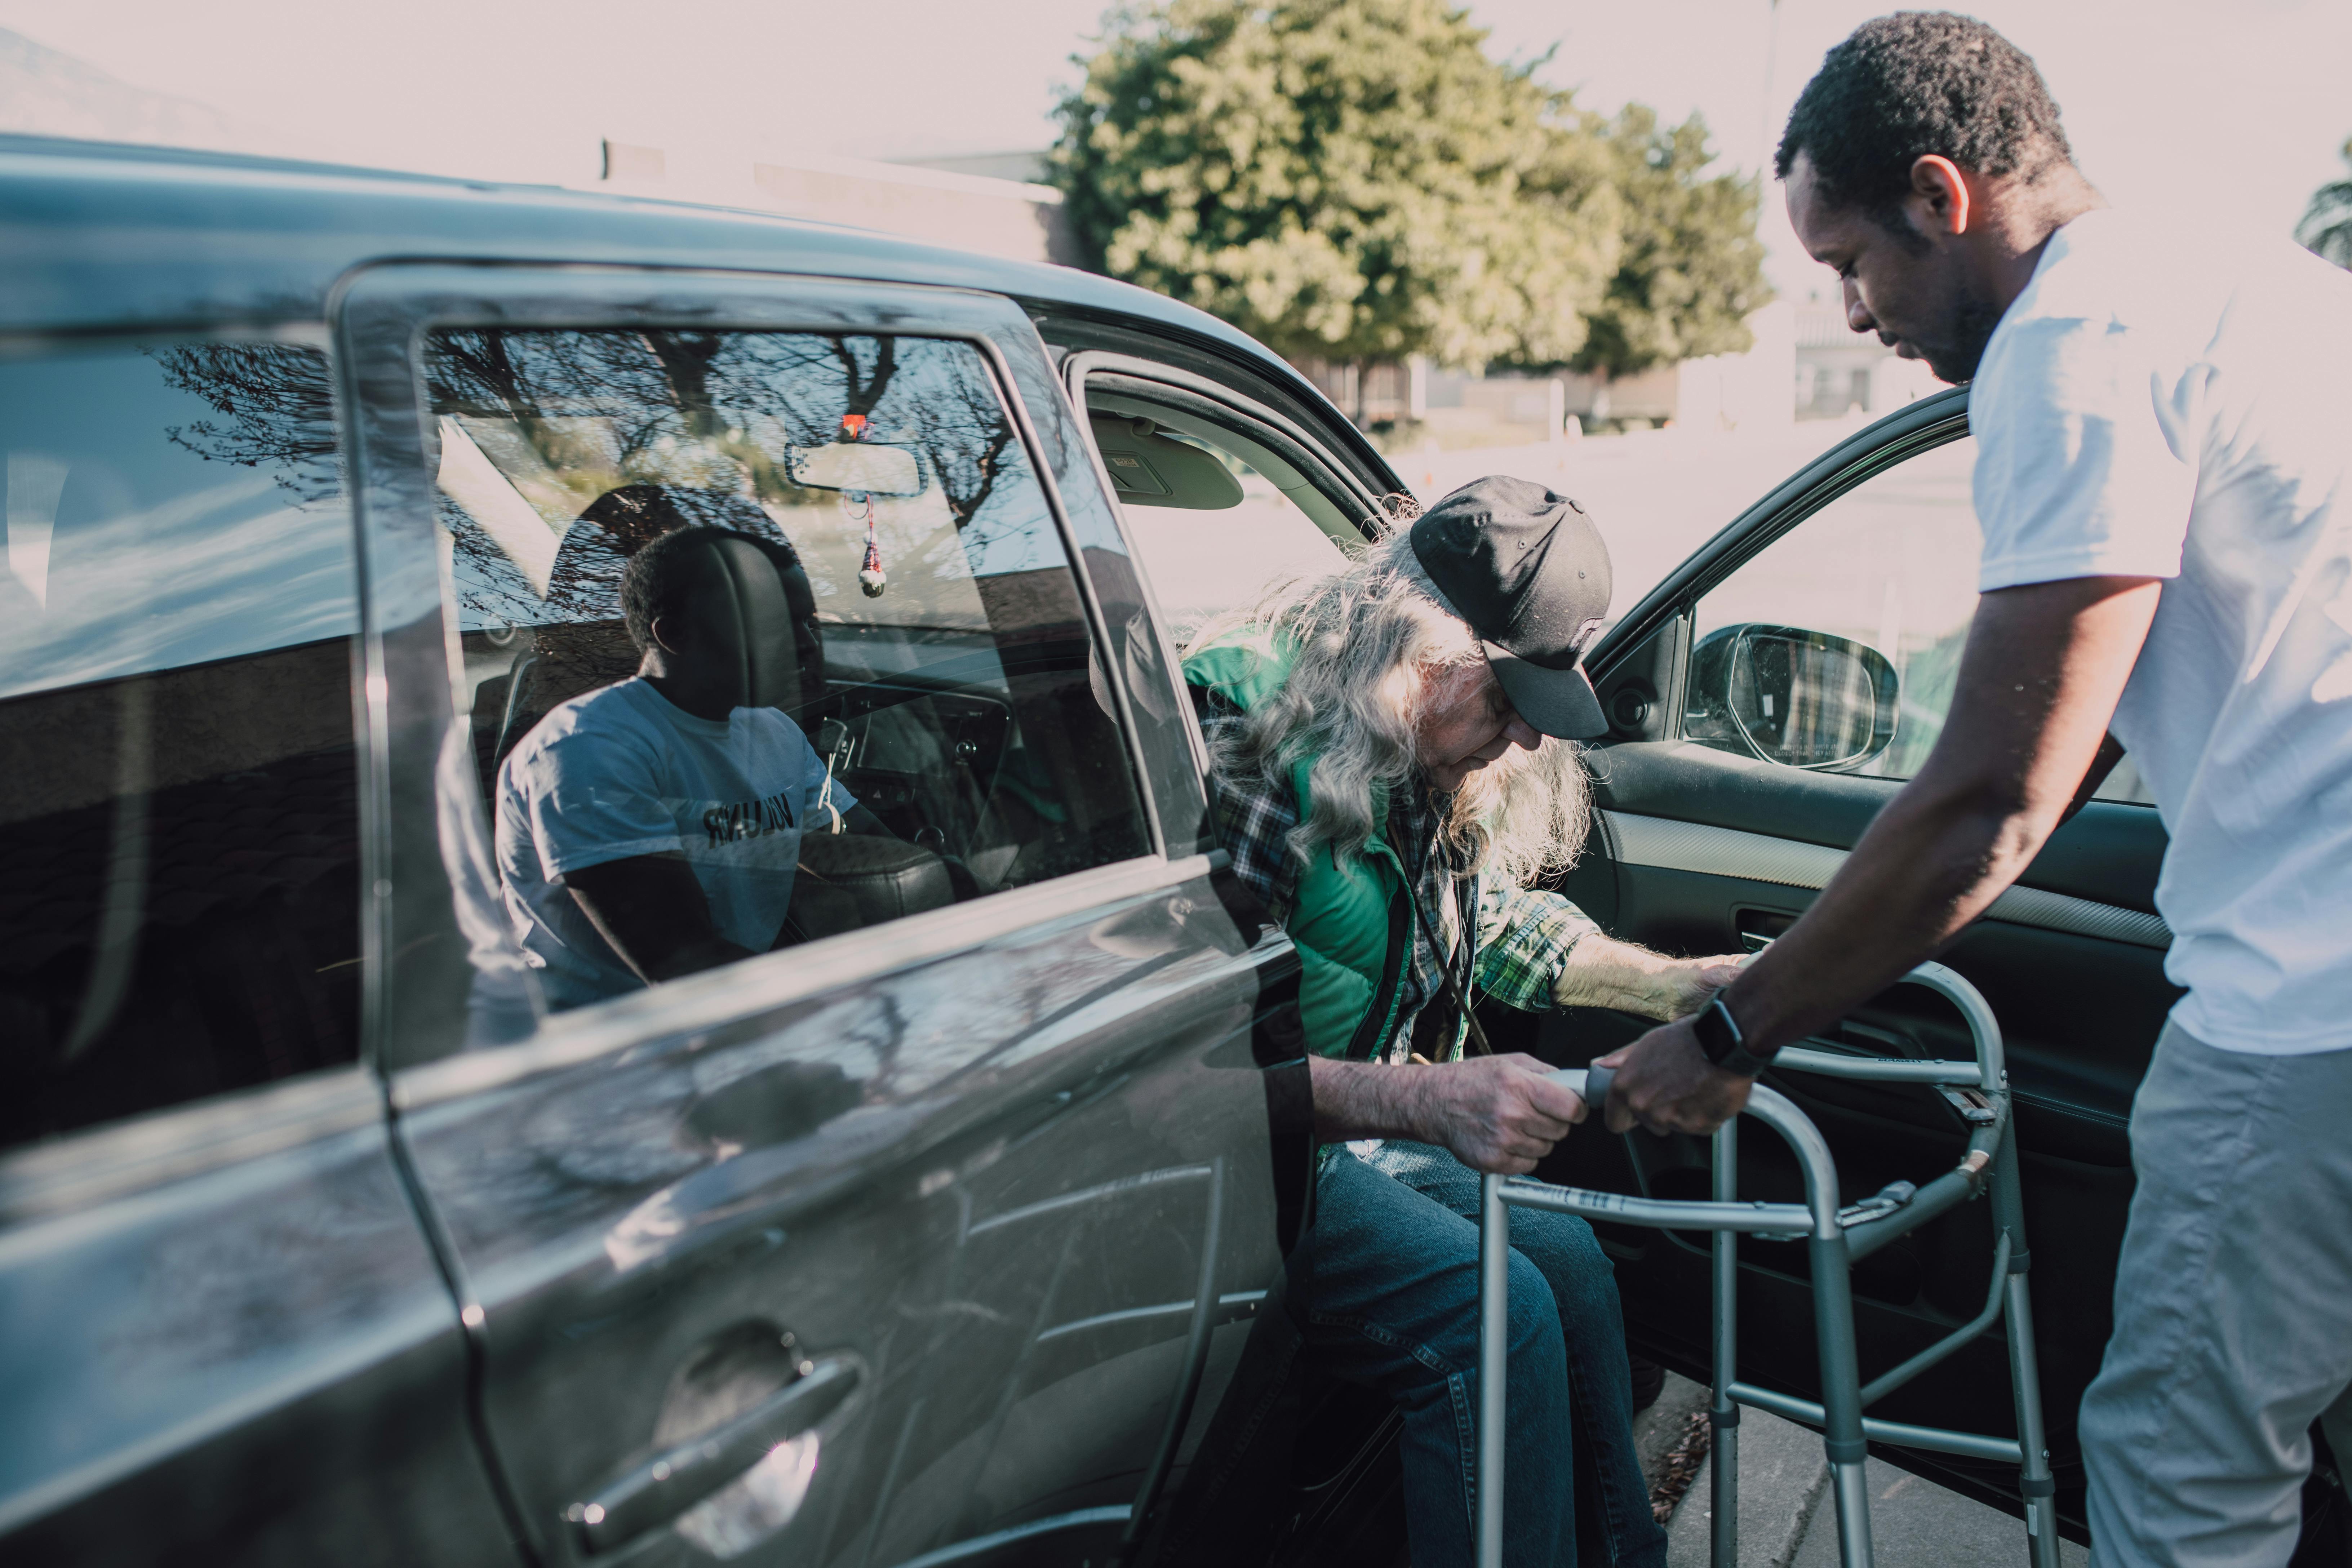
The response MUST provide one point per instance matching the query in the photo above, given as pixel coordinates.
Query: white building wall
(1750, 391)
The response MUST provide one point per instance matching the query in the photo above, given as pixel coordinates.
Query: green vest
(1350, 920)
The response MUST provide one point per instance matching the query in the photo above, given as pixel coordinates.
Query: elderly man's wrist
(1412, 1100)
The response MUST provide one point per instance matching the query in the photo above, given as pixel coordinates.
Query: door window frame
(1654, 635)
(1289, 441)
(1921, 426)
(382, 317)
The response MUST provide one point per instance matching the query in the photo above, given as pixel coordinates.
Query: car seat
(585, 643)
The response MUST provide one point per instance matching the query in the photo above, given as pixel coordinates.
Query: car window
(179, 840)
(873, 691)
(1891, 565)
(1207, 550)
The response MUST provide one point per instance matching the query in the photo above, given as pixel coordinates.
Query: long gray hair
(1376, 643)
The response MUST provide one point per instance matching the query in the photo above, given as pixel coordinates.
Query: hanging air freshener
(871, 578)
(858, 506)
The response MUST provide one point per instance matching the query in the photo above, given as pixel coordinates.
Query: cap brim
(1559, 702)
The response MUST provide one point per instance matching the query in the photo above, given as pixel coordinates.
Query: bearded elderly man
(1391, 744)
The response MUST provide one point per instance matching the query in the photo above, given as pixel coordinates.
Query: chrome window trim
(775, 979)
(381, 313)
(1664, 844)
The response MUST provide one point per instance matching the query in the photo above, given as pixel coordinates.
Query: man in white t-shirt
(652, 827)
(2163, 429)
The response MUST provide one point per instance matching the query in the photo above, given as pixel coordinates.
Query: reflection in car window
(763, 637)
(179, 843)
(1892, 563)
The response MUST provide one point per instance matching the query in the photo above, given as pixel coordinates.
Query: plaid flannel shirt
(1524, 935)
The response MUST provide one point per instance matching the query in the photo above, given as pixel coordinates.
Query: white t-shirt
(2154, 407)
(622, 772)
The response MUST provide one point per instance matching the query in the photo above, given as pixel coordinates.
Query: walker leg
(1850, 1489)
(1842, 1439)
(1493, 1357)
(1723, 1414)
(2024, 1372)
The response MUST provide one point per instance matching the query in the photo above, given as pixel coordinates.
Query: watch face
(1719, 1036)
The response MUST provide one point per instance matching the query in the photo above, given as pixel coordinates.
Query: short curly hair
(1919, 82)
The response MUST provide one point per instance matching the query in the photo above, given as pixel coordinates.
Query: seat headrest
(740, 591)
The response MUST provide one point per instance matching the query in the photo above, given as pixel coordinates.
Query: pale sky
(2229, 114)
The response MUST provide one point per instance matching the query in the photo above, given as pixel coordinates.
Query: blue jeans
(1388, 1279)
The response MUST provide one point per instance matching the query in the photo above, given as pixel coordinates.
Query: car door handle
(673, 1481)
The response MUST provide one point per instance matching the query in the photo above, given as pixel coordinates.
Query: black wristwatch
(1719, 1037)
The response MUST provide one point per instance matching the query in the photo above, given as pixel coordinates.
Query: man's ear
(1943, 191)
(664, 632)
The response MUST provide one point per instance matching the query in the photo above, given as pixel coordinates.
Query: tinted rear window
(179, 848)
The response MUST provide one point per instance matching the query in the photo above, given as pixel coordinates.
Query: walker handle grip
(1596, 1089)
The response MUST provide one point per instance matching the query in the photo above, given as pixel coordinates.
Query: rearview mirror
(1807, 699)
(858, 466)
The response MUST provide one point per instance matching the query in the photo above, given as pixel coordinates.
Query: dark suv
(948, 1227)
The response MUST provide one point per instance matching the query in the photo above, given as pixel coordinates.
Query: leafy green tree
(1348, 179)
(1690, 268)
(2326, 227)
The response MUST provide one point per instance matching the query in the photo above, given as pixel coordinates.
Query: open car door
(1767, 698)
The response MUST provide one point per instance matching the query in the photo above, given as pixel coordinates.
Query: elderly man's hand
(1665, 1083)
(1496, 1114)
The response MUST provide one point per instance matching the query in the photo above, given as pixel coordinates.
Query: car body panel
(227, 1340)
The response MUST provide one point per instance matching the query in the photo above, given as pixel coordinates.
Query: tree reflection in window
(633, 433)
(277, 409)
(615, 437)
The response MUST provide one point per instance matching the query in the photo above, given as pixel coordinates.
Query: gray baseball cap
(1528, 569)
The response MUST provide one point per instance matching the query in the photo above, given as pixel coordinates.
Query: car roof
(107, 238)
(100, 235)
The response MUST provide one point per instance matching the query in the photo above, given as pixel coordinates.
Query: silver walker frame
(1835, 1237)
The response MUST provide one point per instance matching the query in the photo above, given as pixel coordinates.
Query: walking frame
(1835, 1237)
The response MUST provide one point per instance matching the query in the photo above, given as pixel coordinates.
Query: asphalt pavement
(1786, 1518)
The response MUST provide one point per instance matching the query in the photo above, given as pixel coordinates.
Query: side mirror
(1803, 699)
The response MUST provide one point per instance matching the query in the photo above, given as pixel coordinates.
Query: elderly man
(2163, 428)
(1390, 749)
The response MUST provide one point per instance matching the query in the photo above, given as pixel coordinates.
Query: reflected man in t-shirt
(652, 827)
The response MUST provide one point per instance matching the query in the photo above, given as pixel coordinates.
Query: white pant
(2234, 1309)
